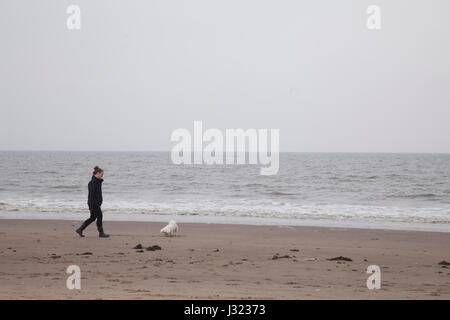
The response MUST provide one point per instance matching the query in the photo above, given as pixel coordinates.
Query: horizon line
(168, 151)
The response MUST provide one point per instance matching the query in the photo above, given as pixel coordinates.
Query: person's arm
(97, 194)
(91, 195)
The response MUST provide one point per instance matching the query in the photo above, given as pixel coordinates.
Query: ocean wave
(273, 210)
(414, 196)
(280, 193)
(71, 187)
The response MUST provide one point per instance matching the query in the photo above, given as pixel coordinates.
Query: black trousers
(96, 214)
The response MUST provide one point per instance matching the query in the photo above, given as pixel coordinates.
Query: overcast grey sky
(137, 70)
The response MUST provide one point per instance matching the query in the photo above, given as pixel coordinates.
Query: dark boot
(80, 229)
(101, 234)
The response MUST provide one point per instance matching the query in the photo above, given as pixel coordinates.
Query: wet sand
(219, 261)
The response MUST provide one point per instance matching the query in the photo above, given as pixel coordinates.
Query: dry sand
(217, 261)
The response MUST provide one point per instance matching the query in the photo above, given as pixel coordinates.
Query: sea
(362, 190)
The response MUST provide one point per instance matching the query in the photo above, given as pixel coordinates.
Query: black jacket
(95, 198)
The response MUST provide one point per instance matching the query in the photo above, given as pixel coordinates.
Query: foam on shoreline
(381, 225)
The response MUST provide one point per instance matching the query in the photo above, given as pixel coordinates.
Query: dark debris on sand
(276, 256)
(140, 248)
(153, 248)
(340, 258)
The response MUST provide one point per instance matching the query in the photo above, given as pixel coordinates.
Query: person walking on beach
(95, 201)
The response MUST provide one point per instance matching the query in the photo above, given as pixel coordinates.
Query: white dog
(170, 229)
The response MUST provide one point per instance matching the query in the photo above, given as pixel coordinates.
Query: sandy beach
(218, 261)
